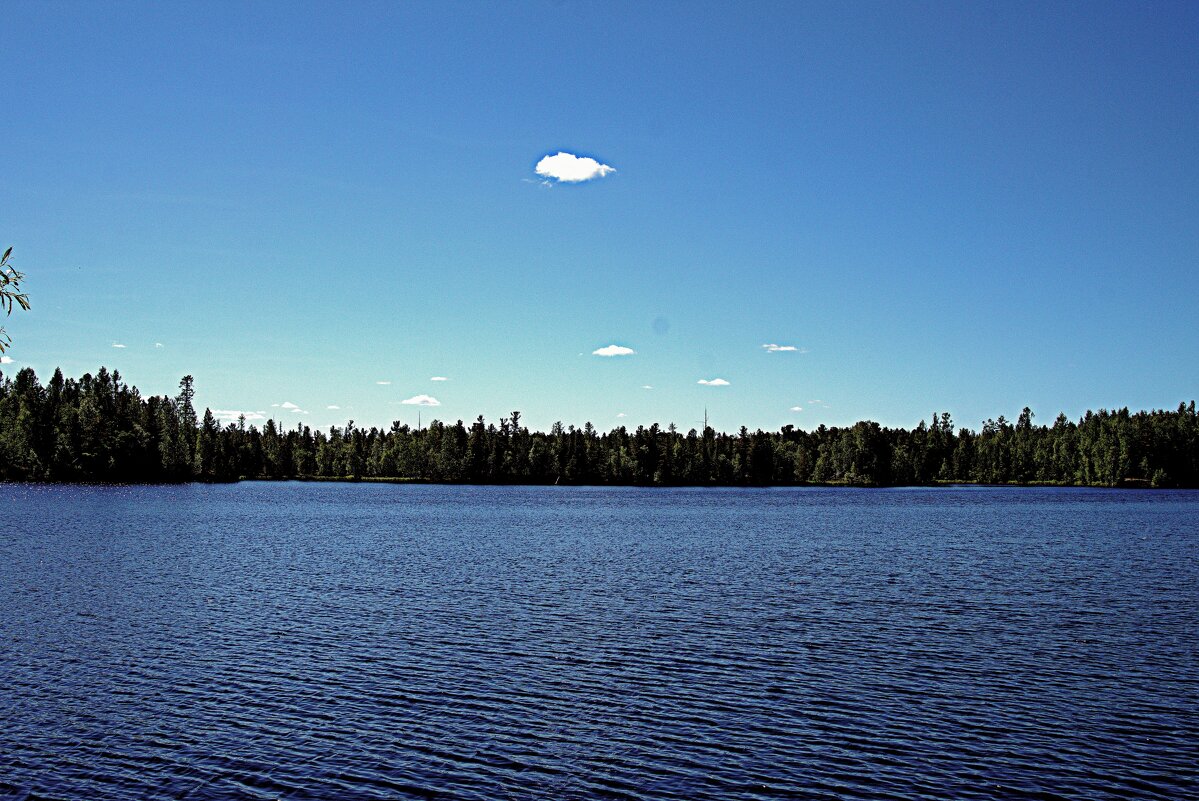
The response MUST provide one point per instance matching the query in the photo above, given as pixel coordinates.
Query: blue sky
(963, 207)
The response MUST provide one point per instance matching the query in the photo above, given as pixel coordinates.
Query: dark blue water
(278, 641)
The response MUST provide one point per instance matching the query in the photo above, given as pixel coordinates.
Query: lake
(355, 641)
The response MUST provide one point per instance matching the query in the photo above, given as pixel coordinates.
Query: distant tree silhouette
(97, 428)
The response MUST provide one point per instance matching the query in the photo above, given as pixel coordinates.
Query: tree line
(99, 429)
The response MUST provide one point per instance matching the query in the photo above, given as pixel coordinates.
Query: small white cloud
(333, 406)
(622, 414)
(289, 406)
(5, 359)
(439, 378)
(646, 386)
(383, 383)
(159, 345)
(613, 350)
(797, 408)
(421, 400)
(568, 168)
(117, 345)
(231, 415)
(772, 348)
(715, 382)
(814, 402)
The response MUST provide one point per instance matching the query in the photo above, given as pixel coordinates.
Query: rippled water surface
(278, 641)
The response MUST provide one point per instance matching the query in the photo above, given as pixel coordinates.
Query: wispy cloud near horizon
(291, 407)
(714, 382)
(613, 350)
(773, 348)
(421, 400)
(232, 415)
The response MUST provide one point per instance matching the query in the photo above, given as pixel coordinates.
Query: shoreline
(1128, 484)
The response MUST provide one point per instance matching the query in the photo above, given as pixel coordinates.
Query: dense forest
(99, 429)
